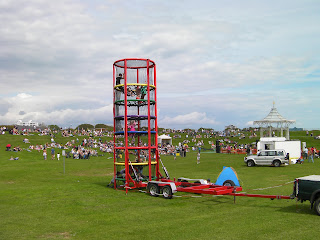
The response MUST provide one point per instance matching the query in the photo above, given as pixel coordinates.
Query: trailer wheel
(228, 183)
(250, 163)
(153, 190)
(276, 163)
(167, 192)
(316, 206)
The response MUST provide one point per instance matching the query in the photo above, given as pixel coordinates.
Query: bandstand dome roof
(274, 117)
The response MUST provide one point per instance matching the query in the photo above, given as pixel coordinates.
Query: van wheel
(276, 163)
(316, 206)
(250, 163)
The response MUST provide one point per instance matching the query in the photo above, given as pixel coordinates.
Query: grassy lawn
(38, 201)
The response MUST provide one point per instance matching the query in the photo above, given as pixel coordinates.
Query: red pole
(156, 120)
(260, 196)
(114, 136)
(149, 127)
(126, 155)
(138, 117)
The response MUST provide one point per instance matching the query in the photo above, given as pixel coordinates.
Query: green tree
(54, 127)
(104, 126)
(85, 126)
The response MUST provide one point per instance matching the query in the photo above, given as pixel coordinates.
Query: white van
(275, 158)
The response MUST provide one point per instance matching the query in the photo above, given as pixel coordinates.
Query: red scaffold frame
(137, 74)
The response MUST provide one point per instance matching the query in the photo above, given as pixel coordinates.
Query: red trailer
(167, 188)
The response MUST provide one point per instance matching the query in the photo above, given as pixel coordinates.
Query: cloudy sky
(218, 62)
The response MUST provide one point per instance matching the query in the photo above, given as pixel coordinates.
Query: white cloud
(188, 120)
(64, 117)
(249, 124)
(24, 96)
(55, 110)
(226, 60)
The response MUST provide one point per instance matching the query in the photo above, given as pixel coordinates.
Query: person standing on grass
(311, 154)
(228, 149)
(248, 150)
(198, 158)
(52, 154)
(58, 156)
(45, 154)
(305, 153)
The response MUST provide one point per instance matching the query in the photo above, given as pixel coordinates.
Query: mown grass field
(38, 201)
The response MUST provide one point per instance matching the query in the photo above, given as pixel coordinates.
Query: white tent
(164, 139)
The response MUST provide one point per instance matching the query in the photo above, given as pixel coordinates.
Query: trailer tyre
(250, 163)
(167, 192)
(228, 183)
(276, 163)
(153, 190)
(316, 206)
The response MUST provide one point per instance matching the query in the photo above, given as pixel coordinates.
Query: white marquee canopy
(164, 139)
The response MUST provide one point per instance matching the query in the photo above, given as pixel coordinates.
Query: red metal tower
(136, 157)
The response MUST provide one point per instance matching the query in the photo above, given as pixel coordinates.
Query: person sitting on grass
(17, 149)
(300, 160)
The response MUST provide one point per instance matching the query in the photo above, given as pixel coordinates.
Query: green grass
(38, 201)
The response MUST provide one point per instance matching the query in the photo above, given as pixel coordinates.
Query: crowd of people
(88, 146)
(91, 142)
(16, 130)
(309, 154)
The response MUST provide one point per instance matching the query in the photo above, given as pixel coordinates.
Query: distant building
(30, 123)
(231, 127)
(231, 130)
(296, 129)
